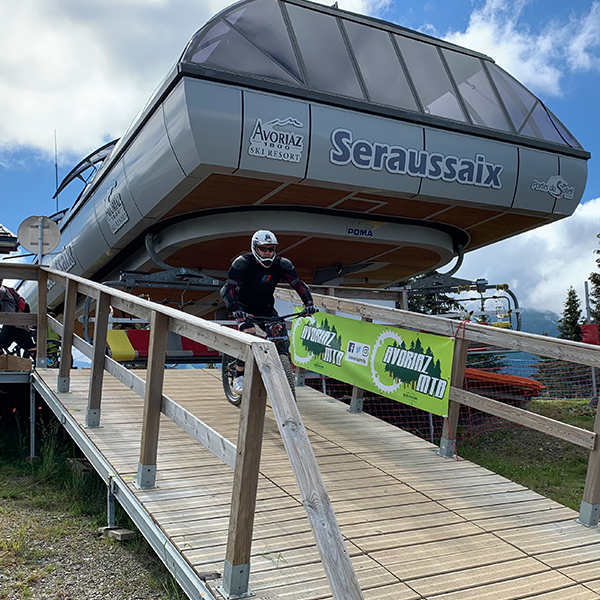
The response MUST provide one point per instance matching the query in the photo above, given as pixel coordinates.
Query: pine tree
(595, 295)
(595, 292)
(431, 304)
(569, 326)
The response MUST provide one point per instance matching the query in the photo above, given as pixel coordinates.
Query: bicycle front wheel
(228, 374)
(286, 363)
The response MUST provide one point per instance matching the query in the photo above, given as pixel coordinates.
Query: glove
(310, 309)
(240, 315)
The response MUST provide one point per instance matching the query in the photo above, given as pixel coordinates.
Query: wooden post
(334, 554)
(146, 475)
(448, 441)
(330, 292)
(66, 347)
(236, 572)
(589, 511)
(42, 320)
(92, 417)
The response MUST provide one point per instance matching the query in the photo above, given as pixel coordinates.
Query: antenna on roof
(56, 167)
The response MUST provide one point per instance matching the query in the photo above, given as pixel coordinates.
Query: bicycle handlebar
(260, 319)
(278, 318)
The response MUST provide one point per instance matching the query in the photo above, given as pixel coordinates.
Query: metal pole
(56, 167)
(31, 421)
(40, 239)
(110, 503)
(588, 314)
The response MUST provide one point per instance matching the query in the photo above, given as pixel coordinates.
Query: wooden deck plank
(455, 560)
(433, 549)
(494, 499)
(552, 536)
(530, 586)
(502, 510)
(414, 537)
(572, 556)
(583, 573)
(416, 525)
(577, 592)
(477, 576)
(552, 515)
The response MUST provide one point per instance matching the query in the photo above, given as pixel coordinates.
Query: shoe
(238, 384)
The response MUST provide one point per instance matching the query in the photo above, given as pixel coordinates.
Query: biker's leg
(238, 383)
(24, 339)
(8, 335)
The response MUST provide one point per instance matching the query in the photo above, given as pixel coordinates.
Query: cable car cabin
(374, 152)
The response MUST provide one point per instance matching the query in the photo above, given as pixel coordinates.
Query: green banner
(407, 366)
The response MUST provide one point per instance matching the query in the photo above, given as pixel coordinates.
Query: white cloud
(540, 265)
(84, 68)
(87, 68)
(585, 40)
(362, 7)
(538, 59)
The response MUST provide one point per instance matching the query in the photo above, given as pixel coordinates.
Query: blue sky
(84, 70)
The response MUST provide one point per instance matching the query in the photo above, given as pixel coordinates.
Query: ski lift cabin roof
(374, 152)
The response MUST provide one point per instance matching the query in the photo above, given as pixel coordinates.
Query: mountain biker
(13, 333)
(251, 281)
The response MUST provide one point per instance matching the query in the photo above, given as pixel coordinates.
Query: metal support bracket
(447, 448)
(356, 400)
(589, 514)
(92, 418)
(235, 582)
(146, 477)
(356, 405)
(300, 377)
(63, 385)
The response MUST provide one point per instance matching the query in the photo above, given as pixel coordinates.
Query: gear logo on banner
(300, 356)
(376, 360)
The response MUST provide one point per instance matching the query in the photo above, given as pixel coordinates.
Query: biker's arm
(290, 275)
(230, 290)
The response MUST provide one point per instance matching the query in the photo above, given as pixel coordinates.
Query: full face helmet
(264, 238)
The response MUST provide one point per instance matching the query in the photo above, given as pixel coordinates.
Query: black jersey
(250, 285)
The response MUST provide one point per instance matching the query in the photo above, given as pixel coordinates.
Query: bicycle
(273, 329)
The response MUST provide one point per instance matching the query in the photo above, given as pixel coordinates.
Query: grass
(50, 483)
(547, 465)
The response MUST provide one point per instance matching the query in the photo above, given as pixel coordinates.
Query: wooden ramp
(416, 525)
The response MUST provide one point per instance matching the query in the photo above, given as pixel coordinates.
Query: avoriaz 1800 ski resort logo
(407, 366)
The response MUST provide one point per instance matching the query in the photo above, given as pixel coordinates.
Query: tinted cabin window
(381, 70)
(476, 90)
(324, 52)
(262, 23)
(223, 47)
(430, 78)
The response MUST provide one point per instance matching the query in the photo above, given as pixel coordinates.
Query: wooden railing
(465, 332)
(264, 376)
